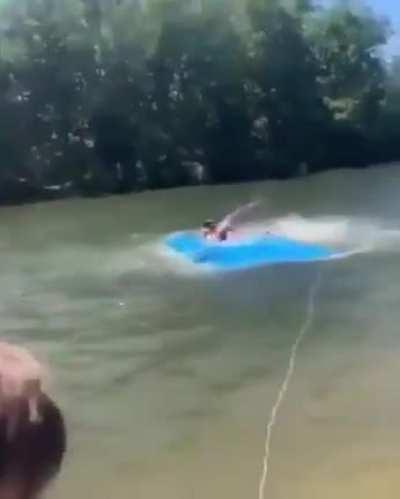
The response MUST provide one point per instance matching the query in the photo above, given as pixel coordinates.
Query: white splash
(328, 230)
(345, 235)
(236, 217)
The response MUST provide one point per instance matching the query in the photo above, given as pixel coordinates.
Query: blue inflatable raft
(244, 253)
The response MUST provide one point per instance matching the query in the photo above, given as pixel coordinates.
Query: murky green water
(167, 377)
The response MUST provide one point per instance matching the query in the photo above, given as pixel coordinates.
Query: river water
(167, 376)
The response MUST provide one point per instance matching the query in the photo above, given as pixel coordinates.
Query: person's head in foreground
(32, 431)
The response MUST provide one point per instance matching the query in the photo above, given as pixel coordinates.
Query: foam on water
(343, 233)
(325, 230)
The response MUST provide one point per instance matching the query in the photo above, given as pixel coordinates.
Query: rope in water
(310, 312)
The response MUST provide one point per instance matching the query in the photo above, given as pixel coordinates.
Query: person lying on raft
(212, 231)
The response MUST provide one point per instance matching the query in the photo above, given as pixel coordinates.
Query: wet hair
(32, 429)
(209, 224)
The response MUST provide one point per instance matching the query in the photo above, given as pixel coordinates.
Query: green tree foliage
(101, 96)
(351, 76)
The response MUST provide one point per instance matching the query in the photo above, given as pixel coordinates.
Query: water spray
(235, 216)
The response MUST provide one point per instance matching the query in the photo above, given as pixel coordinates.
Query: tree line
(113, 96)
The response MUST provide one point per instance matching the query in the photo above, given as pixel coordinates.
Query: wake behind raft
(244, 253)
